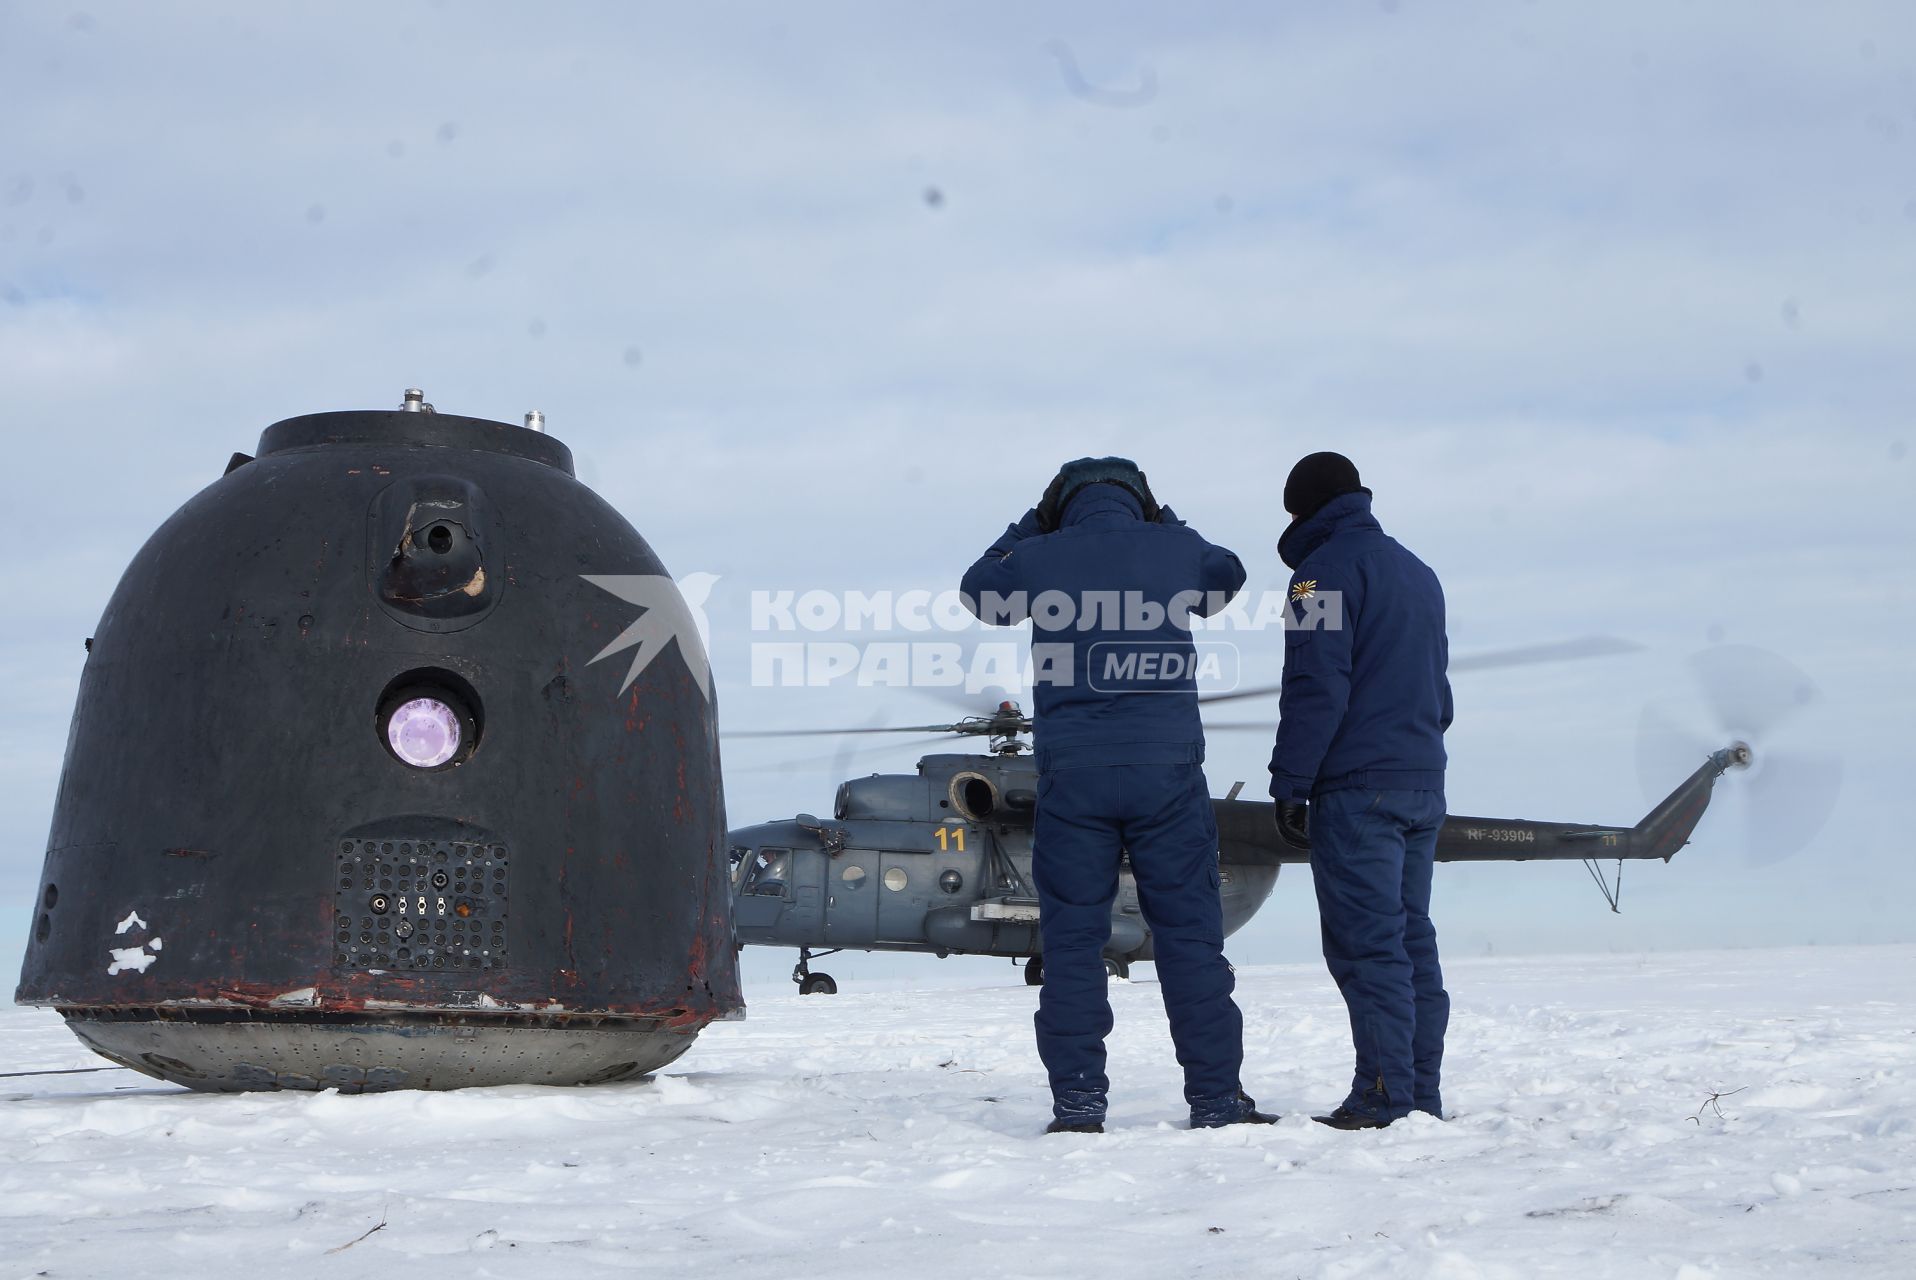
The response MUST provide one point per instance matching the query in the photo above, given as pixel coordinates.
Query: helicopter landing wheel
(1034, 972)
(1116, 968)
(809, 983)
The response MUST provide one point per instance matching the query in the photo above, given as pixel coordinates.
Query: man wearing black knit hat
(1358, 778)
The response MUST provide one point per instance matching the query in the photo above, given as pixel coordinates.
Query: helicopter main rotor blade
(1493, 660)
(848, 750)
(1556, 651)
(1235, 695)
(833, 733)
(841, 763)
(959, 698)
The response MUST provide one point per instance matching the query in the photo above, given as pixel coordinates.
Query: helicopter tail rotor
(1751, 694)
(1666, 828)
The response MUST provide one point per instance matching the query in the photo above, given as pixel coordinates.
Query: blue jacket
(1107, 692)
(1366, 699)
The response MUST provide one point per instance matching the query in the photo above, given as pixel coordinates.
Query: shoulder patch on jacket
(1303, 588)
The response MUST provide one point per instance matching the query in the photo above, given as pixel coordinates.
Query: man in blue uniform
(1110, 580)
(1358, 777)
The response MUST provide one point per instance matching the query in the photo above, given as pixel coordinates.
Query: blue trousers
(1161, 815)
(1371, 860)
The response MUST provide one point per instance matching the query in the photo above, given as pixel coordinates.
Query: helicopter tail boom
(1663, 831)
(1248, 834)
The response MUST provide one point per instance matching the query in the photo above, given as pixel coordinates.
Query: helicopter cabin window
(767, 873)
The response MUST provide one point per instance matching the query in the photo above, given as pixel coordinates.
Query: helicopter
(939, 861)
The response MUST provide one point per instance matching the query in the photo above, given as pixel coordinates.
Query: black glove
(1294, 823)
(1048, 508)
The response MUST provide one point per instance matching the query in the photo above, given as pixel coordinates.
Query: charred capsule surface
(351, 800)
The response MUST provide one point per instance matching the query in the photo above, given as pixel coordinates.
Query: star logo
(1304, 590)
(671, 612)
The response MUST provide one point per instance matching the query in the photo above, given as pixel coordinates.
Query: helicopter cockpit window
(767, 873)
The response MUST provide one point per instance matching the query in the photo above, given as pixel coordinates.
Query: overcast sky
(1614, 306)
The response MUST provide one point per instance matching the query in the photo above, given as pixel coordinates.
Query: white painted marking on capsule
(134, 958)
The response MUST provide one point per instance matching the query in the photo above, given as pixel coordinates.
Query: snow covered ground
(895, 1133)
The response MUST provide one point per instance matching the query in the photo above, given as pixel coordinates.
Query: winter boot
(1077, 1111)
(1075, 1126)
(1241, 1108)
(1371, 1110)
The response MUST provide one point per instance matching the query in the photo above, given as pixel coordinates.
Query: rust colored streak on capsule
(682, 802)
(570, 972)
(634, 722)
(696, 953)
